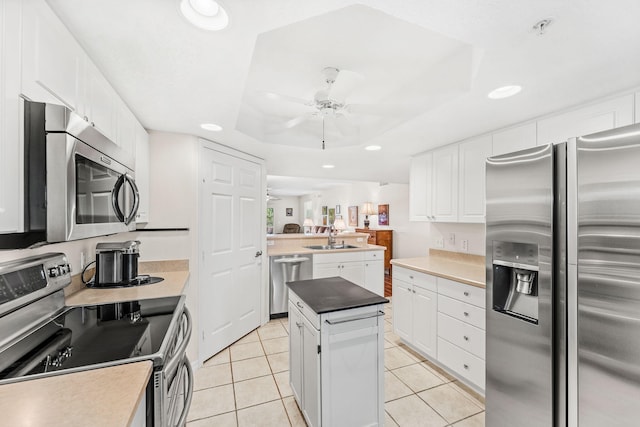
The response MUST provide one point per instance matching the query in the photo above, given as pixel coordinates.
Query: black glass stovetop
(91, 335)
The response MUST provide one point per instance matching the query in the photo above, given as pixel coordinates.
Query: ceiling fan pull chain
(323, 132)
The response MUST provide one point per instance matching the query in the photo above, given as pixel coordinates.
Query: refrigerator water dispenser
(515, 280)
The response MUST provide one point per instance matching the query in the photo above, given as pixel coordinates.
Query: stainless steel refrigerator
(563, 283)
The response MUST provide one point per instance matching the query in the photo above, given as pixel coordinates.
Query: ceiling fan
(329, 103)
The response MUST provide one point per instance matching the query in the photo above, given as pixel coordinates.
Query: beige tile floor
(247, 384)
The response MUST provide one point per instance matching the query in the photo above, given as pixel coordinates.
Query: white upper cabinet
(142, 172)
(51, 58)
(514, 139)
(445, 184)
(100, 105)
(10, 134)
(471, 194)
(126, 124)
(604, 115)
(420, 187)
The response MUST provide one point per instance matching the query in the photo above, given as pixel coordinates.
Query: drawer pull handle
(466, 366)
(299, 304)
(337, 322)
(466, 313)
(466, 294)
(466, 338)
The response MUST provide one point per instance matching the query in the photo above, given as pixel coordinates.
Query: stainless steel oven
(40, 336)
(77, 182)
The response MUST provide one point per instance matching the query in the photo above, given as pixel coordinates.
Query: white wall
(279, 212)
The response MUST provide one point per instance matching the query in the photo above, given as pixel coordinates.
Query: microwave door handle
(114, 198)
(136, 199)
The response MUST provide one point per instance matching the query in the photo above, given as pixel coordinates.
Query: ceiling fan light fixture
(504, 92)
(205, 14)
(373, 148)
(211, 126)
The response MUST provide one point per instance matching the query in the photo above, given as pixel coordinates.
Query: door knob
(259, 253)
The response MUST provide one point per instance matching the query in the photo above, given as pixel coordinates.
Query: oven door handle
(172, 365)
(187, 404)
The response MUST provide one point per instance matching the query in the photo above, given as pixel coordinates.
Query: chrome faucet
(332, 237)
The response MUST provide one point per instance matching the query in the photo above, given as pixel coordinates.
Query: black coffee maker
(116, 263)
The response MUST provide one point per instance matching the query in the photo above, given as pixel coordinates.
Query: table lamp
(367, 209)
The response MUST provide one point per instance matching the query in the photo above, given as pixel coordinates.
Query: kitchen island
(336, 345)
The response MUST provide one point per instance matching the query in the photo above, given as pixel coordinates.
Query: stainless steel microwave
(77, 182)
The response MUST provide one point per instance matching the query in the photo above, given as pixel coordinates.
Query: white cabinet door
(353, 272)
(310, 373)
(420, 187)
(142, 172)
(11, 173)
(402, 309)
(514, 139)
(100, 102)
(473, 155)
(126, 124)
(445, 184)
(52, 60)
(605, 115)
(295, 352)
(326, 270)
(425, 314)
(374, 276)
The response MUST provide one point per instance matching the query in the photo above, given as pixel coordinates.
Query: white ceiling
(174, 76)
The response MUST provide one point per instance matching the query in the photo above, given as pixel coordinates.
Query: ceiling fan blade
(289, 124)
(385, 110)
(344, 125)
(346, 82)
(281, 97)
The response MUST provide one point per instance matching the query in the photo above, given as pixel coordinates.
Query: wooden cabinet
(11, 176)
(471, 195)
(415, 309)
(336, 364)
(381, 238)
(420, 187)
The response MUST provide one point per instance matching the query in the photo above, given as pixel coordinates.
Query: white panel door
(295, 352)
(473, 157)
(230, 243)
(374, 276)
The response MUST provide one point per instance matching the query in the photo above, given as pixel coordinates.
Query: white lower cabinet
(364, 268)
(336, 364)
(442, 319)
(415, 309)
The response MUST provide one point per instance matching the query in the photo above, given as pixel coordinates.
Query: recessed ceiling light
(205, 14)
(373, 148)
(504, 92)
(211, 126)
(328, 166)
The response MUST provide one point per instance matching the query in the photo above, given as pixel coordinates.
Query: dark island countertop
(334, 294)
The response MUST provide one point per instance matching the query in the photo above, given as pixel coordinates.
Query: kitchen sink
(327, 247)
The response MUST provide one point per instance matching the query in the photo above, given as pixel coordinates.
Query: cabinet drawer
(306, 311)
(466, 293)
(417, 278)
(462, 311)
(373, 255)
(462, 334)
(463, 363)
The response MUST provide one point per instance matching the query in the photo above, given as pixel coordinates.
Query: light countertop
(172, 285)
(300, 250)
(462, 268)
(106, 397)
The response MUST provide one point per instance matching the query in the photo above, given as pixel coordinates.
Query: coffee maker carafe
(116, 262)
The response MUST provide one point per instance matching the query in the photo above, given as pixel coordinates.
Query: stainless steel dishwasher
(283, 269)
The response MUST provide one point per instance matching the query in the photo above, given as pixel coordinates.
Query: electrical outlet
(452, 239)
(440, 242)
(465, 245)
